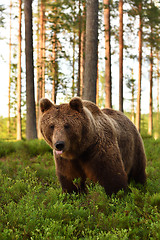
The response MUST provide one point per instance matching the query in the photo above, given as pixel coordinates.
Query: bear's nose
(59, 145)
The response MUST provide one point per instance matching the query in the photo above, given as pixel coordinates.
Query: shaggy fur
(101, 145)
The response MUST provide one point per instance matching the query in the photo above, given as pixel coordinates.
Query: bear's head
(66, 127)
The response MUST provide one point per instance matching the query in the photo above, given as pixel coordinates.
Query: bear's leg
(138, 171)
(116, 181)
(109, 175)
(82, 187)
(138, 176)
(106, 167)
(67, 184)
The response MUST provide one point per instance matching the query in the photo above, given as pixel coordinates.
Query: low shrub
(32, 205)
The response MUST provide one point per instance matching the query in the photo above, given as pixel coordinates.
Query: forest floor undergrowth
(32, 205)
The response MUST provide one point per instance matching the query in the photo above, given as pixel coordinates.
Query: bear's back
(121, 120)
(128, 138)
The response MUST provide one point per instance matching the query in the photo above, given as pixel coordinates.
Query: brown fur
(101, 145)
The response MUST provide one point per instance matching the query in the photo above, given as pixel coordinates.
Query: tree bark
(31, 132)
(55, 68)
(91, 50)
(54, 62)
(39, 85)
(42, 49)
(73, 65)
(80, 52)
(133, 91)
(19, 125)
(108, 84)
(138, 114)
(150, 122)
(9, 86)
(121, 55)
(83, 37)
(158, 85)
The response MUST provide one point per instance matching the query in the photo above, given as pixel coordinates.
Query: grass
(32, 205)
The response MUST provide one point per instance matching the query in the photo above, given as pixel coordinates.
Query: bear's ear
(76, 104)
(45, 104)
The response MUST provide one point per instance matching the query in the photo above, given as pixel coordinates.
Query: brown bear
(88, 143)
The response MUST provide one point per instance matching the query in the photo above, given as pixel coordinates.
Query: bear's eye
(66, 126)
(51, 126)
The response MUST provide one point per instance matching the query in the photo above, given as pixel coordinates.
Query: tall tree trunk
(38, 61)
(83, 37)
(138, 114)
(158, 85)
(39, 95)
(73, 64)
(108, 84)
(54, 70)
(97, 86)
(91, 50)
(133, 91)
(80, 52)
(19, 127)
(42, 49)
(31, 132)
(9, 86)
(121, 55)
(54, 61)
(150, 122)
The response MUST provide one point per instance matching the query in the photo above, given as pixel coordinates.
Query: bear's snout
(59, 145)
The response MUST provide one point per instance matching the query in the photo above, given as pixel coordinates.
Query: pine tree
(131, 86)
(80, 52)
(19, 130)
(42, 49)
(150, 121)
(108, 84)
(9, 88)
(91, 51)
(158, 75)
(31, 131)
(38, 67)
(138, 114)
(121, 55)
(152, 22)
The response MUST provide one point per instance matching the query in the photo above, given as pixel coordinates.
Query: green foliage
(1, 16)
(24, 148)
(33, 207)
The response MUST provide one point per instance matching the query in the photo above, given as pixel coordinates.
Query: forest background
(32, 205)
(59, 43)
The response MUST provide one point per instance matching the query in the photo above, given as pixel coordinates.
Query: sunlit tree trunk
(108, 101)
(31, 132)
(138, 114)
(97, 86)
(19, 132)
(38, 61)
(73, 65)
(150, 123)
(133, 91)
(158, 85)
(83, 37)
(81, 57)
(121, 55)
(91, 50)
(38, 73)
(54, 61)
(42, 49)
(54, 70)
(9, 86)
(80, 52)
